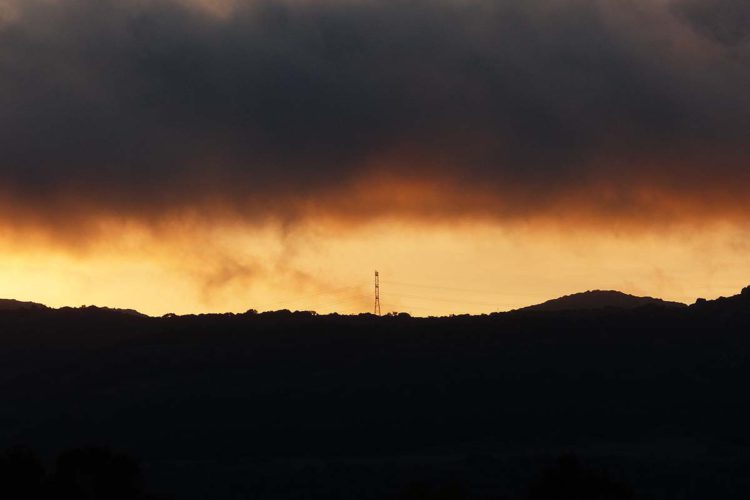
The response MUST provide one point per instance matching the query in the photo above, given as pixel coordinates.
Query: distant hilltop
(590, 300)
(599, 299)
(16, 305)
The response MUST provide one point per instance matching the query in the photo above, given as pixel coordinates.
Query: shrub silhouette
(424, 491)
(80, 474)
(21, 475)
(96, 473)
(568, 480)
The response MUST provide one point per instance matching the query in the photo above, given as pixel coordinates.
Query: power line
(286, 302)
(349, 300)
(443, 299)
(409, 308)
(473, 290)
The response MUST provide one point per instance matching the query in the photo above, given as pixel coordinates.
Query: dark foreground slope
(283, 405)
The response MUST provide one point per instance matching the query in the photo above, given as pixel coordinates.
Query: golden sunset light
(426, 269)
(374, 249)
(220, 155)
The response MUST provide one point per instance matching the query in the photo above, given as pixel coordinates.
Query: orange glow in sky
(426, 269)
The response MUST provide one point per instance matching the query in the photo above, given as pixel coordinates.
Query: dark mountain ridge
(15, 305)
(588, 300)
(12, 305)
(598, 299)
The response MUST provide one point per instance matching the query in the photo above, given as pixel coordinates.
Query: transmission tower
(377, 294)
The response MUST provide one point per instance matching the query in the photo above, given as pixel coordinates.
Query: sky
(221, 155)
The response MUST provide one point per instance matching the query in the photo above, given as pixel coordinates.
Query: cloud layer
(589, 109)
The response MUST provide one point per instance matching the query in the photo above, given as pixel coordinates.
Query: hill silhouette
(79, 474)
(598, 299)
(592, 299)
(15, 305)
(116, 310)
(12, 305)
(289, 405)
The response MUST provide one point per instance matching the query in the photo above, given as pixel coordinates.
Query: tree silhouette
(568, 480)
(21, 475)
(423, 491)
(80, 474)
(96, 473)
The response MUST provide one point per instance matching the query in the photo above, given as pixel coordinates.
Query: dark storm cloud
(726, 21)
(139, 108)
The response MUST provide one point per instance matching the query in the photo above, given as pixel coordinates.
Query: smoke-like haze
(588, 109)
